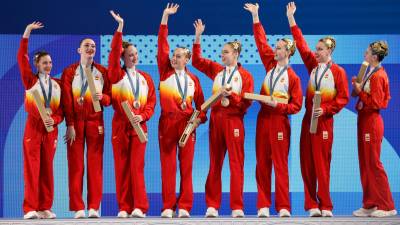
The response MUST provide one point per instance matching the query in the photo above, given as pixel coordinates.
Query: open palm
(290, 9)
(199, 27)
(252, 8)
(35, 25)
(117, 17)
(171, 8)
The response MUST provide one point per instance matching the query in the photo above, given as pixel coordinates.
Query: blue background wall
(353, 23)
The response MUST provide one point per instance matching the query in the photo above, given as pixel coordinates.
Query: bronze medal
(136, 104)
(360, 105)
(228, 87)
(225, 102)
(49, 112)
(183, 106)
(80, 100)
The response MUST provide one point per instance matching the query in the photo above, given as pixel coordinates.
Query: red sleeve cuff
(256, 25)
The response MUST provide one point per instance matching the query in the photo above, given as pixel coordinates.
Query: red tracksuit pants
(39, 149)
(93, 133)
(226, 132)
(272, 148)
(315, 162)
(129, 156)
(170, 129)
(376, 190)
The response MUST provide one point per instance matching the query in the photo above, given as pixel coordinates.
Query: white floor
(222, 221)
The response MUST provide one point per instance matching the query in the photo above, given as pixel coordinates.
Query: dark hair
(38, 55)
(83, 39)
(125, 45)
(380, 49)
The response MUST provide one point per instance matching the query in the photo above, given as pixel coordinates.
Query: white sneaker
(263, 212)
(326, 213)
(122, 214)
(31, 215)
(237, 213)
(46, 214)
(137, 213)
(211, 212)
(362, 212)
(93, 213)
(167, 213)
(383, 213)
(284, 213)
(183, 213)
(315, 212)
(80, 214)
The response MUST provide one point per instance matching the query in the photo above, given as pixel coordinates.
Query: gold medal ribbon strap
(182, 93)
(47, 98)
(84, 84)
(135, 91)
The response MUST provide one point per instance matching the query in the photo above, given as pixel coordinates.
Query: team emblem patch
(236, 133)
(101, 130)
(280, 136)
(367, 137)
(97, 77)
(282, 80)
(190, 84)
(236, 79)
(325, 135)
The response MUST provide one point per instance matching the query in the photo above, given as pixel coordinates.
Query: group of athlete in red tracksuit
(181, 94)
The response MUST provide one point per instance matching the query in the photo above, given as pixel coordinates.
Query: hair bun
(236, 45)
(380, 48)
(290, 45)
(329, 42)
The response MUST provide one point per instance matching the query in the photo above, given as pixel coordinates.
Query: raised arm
(163, 60)
(115, 74)
(306, 54)
(169, 10)
(208, 67)
(265, 51)
(27, 76)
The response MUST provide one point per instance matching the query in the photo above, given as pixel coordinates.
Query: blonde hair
(236, 45)
(380, 49)
(290, 45)
(329, 42)
(187, 51)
